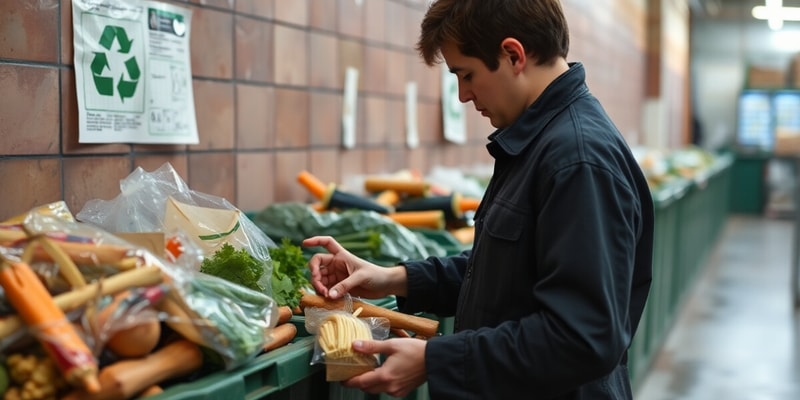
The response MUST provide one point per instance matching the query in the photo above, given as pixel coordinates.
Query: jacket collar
(510, 141)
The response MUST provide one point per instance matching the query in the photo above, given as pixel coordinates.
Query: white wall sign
(133, 72)
(453, 113)
(412, 131)
(350, 103)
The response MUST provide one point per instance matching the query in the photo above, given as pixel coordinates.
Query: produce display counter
(689, 216)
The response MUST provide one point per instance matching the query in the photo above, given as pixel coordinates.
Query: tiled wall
(268, 81)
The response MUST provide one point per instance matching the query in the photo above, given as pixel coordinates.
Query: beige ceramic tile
(293, 12)
(213, 102)
(326, 123)
(290, 57)
(324, 70)
(28, 110)
(292, 123)
(353, 163)
(255, 117)
(33, 183)
(399, 31)
(376, 125)
(215, 3)
(69, 122)
(255, 180)
(323, 14)
(212, 43)
(395, 121)
(397, 159)
(29, 30)
(288, 164)
(66, 37)
(351, 54)
(254, 44)
(214, 174)
(260, 8)
(87, 178)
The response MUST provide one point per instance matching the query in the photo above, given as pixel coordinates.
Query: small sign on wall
(453, 111)
(350, 104)
(133, 72)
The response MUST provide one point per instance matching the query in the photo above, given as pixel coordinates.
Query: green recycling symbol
(105, 84)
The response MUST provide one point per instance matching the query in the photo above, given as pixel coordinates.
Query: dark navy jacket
(549, 297)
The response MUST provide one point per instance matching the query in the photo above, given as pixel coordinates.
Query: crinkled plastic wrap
(83, 267)
(335, 331)
(160, 201)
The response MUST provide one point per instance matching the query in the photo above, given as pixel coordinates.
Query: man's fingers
(327, 242)
(370, 346)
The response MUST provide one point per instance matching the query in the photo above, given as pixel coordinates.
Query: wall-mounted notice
(412, 131)
(350, 103)
(453, 113)
(133, 72)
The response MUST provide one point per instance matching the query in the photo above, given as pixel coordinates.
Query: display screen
(755, 125)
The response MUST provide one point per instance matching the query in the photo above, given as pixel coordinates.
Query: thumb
(338, 290)
(369, 346)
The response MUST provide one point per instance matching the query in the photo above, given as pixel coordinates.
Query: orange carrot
(35, 305)
(433, 219)
(284, 314)
(468, 204)
(312, 183)
(388, 198)
(281, 335)
(406, 186)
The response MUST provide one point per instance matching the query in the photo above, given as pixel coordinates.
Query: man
(548, 299)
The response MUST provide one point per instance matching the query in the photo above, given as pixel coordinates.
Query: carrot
(468, 204)
(433, 219)
(30, 298)
(405, 186)
(281, 335)
(388, 198)
(284, 314)
(312, 183)
(125, 378)
(423, 327)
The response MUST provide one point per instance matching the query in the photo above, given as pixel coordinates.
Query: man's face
(493, 93)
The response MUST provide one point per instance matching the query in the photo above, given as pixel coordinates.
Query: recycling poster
(133, 72)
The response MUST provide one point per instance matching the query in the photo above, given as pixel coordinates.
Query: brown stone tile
(417, 159)
(66, 36)
(351, 18)
(255, 117)
(351, 54)
(294, 12)
(214, 174)
(260, 8)
(430, 123)
(87, 178)
(396, 73)
(213, 103)
(373, 78)
(326, 123)
(254, 44)
(399, 31)
(353, 163)
(150, 163)
(376, 161)
(324, 70)
(287, 165)
(325, 165)
(292, 118)
(215, 3)
(323, 14)
(69, 122)
(255, 180)
(28, 110)
(375, 20)
(375, 129)
(33, 183)
(395, 121)
(29, 30)
(397, 159)
(212, 43)
(290, 57)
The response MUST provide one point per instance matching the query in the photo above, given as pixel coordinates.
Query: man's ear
(514, 52)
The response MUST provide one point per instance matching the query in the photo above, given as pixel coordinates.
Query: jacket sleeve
(586, 237)
(433, 284)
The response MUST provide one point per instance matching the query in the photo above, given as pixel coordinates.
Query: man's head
(478, 27)
(504, 52)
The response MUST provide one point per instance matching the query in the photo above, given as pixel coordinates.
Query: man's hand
(401, 372)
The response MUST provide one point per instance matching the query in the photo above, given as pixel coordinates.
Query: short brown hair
(478, 27)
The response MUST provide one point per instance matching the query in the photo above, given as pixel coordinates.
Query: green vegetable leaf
(236, 266)
(288, 273)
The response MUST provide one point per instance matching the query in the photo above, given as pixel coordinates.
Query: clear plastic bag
(335, 330)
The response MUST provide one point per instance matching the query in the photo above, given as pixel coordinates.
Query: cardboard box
(765, 78)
